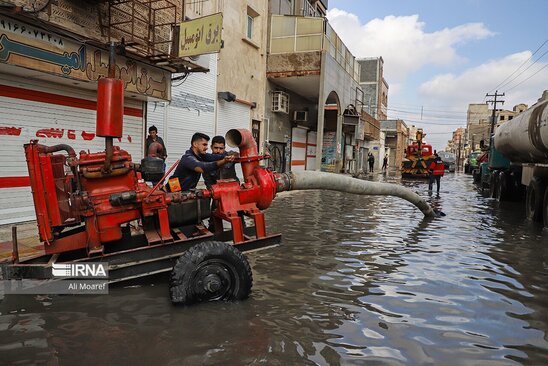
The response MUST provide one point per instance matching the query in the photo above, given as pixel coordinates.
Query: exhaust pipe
(295, 181)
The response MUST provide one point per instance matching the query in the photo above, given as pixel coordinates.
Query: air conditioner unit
(200, 60)
(300, 116)
(280, 102)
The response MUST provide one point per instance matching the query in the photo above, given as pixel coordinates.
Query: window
(280, 102)
(250, 25)
(249, 32)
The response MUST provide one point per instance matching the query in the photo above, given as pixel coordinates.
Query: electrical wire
(539, 70)
(527, 68)
(519, 67)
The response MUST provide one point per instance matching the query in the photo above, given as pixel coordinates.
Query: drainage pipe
(304, 180)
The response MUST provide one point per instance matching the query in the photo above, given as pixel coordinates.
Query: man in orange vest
(436, 170)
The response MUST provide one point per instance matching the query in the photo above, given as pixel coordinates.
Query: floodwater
(359, 280)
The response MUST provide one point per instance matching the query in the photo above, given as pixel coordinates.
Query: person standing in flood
(435, 170)
(385, 162)
(371, 160)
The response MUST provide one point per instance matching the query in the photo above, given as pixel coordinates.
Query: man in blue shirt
(197, 161)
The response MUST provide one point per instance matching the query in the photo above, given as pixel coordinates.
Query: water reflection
(358, 279)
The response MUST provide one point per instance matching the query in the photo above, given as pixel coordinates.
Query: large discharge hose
(294, 181)
(308, 179)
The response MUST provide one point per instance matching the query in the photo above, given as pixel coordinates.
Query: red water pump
(82, 202)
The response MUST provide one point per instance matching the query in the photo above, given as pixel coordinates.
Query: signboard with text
(200, 36)
(24, 45)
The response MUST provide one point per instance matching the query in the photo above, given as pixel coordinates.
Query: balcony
(296, 46)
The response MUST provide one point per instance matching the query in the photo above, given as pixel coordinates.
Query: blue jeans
(437, 179)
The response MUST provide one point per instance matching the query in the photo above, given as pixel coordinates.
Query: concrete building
(457, 147)
(231, 94)
(316, 104)
(374, 86)
(396, 140)
(478, 123)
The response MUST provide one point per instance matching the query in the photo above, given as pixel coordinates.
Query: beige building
(374, 86)
(478, 123)
(316, 109)
(396, 140)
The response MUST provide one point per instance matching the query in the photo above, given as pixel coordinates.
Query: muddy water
(359, 280)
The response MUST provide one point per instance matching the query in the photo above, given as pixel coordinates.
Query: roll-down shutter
(53, 114)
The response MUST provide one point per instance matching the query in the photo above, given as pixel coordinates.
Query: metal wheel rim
(214, 279)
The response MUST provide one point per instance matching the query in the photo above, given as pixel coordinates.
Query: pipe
(249, 159)
(109, 152)
(304, 180)
(51, 149)
(109, 144)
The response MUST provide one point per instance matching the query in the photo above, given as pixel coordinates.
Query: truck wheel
(534, 199)
(503, 188)
(210, 271)
(494, 184)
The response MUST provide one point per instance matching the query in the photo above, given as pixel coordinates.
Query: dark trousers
(437, 179)
(371, 163)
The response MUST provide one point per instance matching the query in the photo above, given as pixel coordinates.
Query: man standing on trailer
(197, 161)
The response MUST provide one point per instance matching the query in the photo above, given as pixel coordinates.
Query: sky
(440, 55)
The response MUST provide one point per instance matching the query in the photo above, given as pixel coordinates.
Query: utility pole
(494, 102)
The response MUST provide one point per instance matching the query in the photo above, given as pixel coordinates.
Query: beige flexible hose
(294, 181)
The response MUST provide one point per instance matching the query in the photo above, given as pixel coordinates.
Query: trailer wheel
(210, 271)
(534, 199)
(503, 187)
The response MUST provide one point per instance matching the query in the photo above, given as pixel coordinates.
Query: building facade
(315, 117)
(374, 86)
(396, 140)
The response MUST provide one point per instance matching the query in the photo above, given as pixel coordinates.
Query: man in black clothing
(153, 139)
(197, 161)
(227, 171)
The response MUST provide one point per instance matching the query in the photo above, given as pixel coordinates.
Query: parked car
(471, 162)
(448, 159)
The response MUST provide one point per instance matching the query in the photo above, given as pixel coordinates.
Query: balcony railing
(308, 34)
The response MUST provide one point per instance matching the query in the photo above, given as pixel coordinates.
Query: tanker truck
(518, 161)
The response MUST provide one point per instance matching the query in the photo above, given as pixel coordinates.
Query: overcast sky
(439, 56)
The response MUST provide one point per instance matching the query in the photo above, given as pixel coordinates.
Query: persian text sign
(200, 36)
(24, 45)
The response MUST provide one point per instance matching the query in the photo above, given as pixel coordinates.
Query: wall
(242, 62)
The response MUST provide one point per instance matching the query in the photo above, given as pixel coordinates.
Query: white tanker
(524, 141)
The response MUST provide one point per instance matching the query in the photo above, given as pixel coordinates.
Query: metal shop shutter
(192, 109)
(311, 150)
(53, 114)
(232, 115)
(298, 148)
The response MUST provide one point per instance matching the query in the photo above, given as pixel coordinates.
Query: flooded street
(358, 280)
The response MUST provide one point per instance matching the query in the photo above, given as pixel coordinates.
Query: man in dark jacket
(151, 144)
(197, 161)
(227, 171)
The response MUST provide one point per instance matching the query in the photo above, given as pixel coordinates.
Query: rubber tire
(493, 184)
(503, 187)
(204, 259)
(545, 211)
(534, 199)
